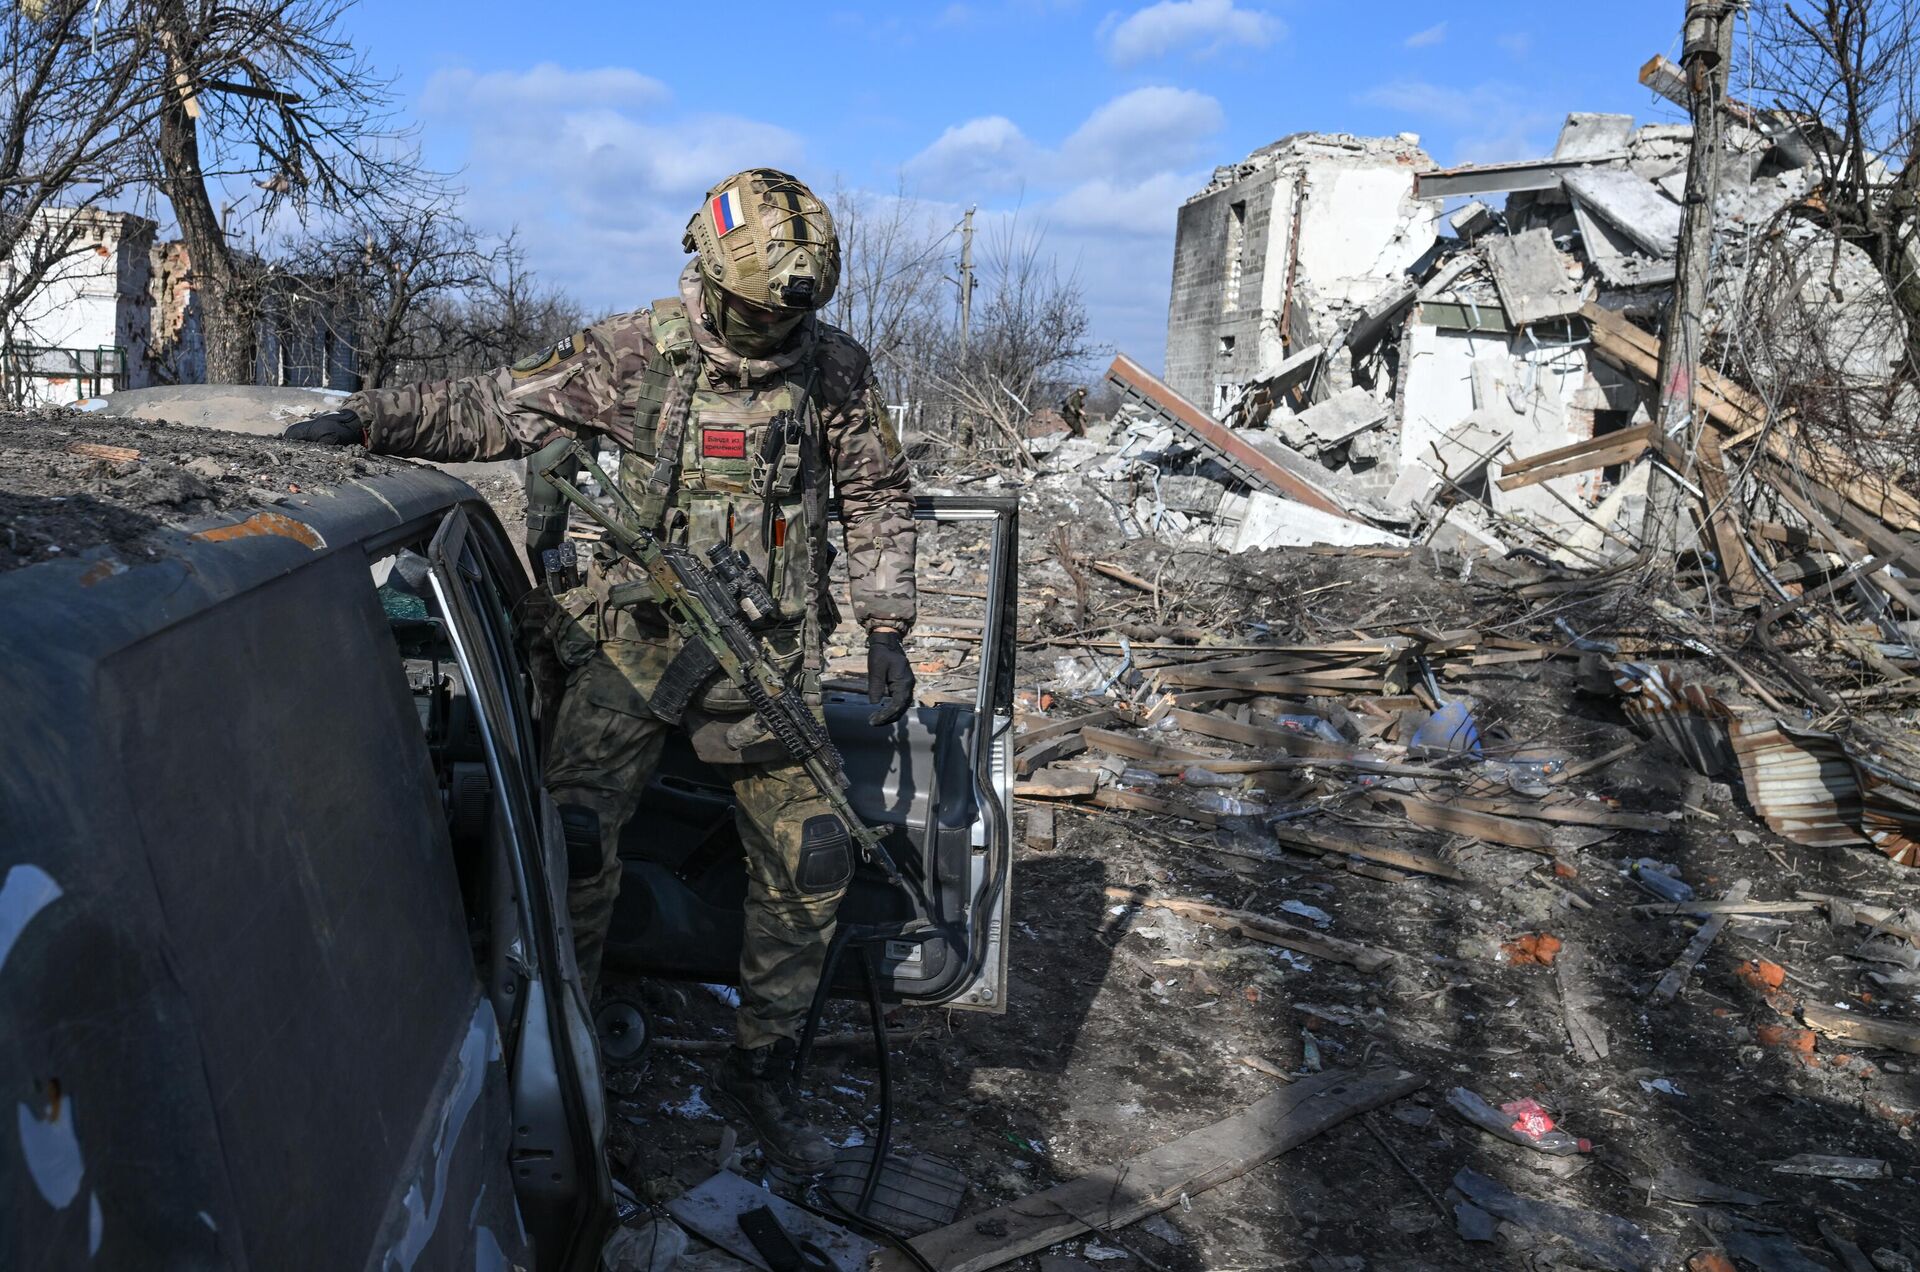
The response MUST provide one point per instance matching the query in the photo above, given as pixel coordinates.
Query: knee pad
(580, 826)
(826, 855)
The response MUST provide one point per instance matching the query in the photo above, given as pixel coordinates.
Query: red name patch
(723, 443)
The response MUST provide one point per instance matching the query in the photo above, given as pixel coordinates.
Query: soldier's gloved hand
(335, 428)
(889, 677)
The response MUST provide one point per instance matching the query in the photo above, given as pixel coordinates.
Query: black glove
(335, 428)
(889, 677)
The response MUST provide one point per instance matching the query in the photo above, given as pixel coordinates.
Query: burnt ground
(1129, 1026)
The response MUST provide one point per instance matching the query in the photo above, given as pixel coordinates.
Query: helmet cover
(765, 239)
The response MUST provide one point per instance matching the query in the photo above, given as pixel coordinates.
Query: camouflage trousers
(603, 750)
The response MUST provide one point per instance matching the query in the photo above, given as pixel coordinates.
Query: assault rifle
(717, 605)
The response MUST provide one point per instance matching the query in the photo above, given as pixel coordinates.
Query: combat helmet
(764, 239)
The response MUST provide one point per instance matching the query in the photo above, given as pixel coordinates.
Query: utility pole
(966, 280)
(1706, 50)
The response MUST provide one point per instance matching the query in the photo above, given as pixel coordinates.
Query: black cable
(883, 1138)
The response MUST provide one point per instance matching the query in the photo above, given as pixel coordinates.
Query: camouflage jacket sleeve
(870, 472)
(586, 382)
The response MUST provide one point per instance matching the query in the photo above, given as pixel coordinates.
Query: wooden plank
(1730, 907)
(95, 450)
(1674, 979)
(1135, 802)
(1404, 858)
(1615, 452)
(1126, 1192)
(1723, 520)
(1135, 747)
(1293, 743)
(1040, 828)
(1565, 814)
(1029, 758)
(1048, 729)
(1263, 928)
(1319, 684)
(1887, 1035)
(1464, 821)
(1058, 784)
(1577, 449)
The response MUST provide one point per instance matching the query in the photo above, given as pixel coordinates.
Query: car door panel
(938, 783)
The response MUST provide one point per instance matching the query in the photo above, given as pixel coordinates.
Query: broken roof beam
(1246, 462)
(1496, 178)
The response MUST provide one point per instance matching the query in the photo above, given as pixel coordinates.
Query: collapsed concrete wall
(1324, 309)
(1244, 296)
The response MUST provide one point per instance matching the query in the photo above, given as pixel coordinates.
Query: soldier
(1073, 409)
(735, 409)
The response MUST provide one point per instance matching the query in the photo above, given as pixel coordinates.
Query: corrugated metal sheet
(1808, 786)
(1800, 781)
(1684, 715)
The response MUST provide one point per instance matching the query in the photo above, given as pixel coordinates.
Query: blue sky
(594, 127)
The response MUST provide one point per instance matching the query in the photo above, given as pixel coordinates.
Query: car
(285, 973)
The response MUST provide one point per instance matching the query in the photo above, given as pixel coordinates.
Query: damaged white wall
(91, 312)
(1239, 256)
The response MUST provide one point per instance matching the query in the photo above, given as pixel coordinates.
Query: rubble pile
(1399, 817)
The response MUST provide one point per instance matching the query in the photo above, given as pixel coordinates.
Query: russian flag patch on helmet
(725, 209)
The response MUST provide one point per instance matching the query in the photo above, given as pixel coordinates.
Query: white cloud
(1427, 38)
(596, 169)
(985, 155)
(542, 87)
(1488, 122)
(1146, 130)
(1516, 43)
(1202, 26)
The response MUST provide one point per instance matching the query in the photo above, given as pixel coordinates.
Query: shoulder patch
(535, 363)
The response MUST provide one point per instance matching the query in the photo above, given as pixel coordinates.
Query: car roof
(108, 562)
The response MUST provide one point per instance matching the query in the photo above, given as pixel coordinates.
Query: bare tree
(1031, 340)
(271, 92)
(71, 106)
(426, 297)
(1846, 75)
(891, 285)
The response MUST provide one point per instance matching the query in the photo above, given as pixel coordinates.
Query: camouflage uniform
(626, 377)
(1074, 411)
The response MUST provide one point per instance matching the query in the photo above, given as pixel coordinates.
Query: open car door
(937, 783)
(559, 1172)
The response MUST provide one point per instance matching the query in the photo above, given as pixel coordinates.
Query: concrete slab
(1619, 259)
(1531, 274)
(1267, 521)
(1587, 136)
(1341, 416)
(1637, 207)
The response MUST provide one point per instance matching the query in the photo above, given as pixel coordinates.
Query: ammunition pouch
(580, 827)
(826, 855)
(684, 677)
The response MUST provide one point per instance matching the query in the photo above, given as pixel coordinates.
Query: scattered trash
(1537, 949)
(1826, 1167)
(1524, 1122)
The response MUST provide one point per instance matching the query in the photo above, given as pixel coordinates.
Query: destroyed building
(122, 311)
(1405, 338)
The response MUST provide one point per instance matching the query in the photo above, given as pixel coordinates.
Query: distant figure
(1073, 409)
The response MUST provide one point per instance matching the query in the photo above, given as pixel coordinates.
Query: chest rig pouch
(739, 466)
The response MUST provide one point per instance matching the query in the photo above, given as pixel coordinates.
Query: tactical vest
(743, 466)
